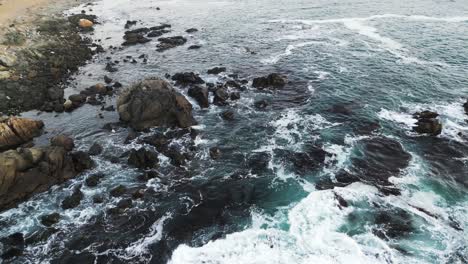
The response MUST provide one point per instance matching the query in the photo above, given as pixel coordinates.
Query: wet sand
(11, 10)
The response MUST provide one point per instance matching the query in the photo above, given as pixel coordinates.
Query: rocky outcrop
(153, 102)
(170, 42)
(186, 78)
(26, 171)
(273, 80)
(427, 123)
(15, 131)
(200, 94)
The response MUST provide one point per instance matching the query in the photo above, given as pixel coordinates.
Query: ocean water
(350, 64)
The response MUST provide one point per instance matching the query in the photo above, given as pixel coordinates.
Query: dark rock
(51, 219)
(258, 162)
(82, 161)
(342, 109)
(77, 98)
(191, 30)
(97, 199)
(109, 108)
(341, 201)
(170, 42)
(153, 102)
(221, 95)
(215, 153)
(73, 200)
(200, 94)
(160, 27)
(235, 96)
(228, 115)
(185, 78)
(130, 23)
(304, 162)
(143, 159)
(272, 80)
(13, 246)
(118, 191)
(94, 179)
(110, 68)
(216, 70)
(138, 194)
(158, 140)
(95, 149)
(427, 123)
(107, 79)
(157, 33)
(125, 203)
(233, 84)
(135, 37)
(194, 47)
(148, 175)
(177, 158)
(393, 224)
(261, 104)
(130, 137)
(117, 85)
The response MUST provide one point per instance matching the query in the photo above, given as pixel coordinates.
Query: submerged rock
(216, 70)
(143, 158)
(186, 78)
(380, 159)
(95, 149)
(13, 245)
(15, 131)
(73, 200)
(118, 191)
(153, 102)
(427, 123)
(170, 42)
(51, 219)
(272, 80)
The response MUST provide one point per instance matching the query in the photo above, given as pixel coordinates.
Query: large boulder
(15, 131)
(273, 80)
(26, 171)
(427, 123)
(153, 102)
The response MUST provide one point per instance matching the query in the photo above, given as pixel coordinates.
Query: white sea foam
(401, 118)
(140, 247)
(452, 117)
(313, 237)
(289, 50)
(358, 24)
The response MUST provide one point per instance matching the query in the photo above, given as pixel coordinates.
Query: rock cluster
(26, 171)
(427, 123)
(273, 80)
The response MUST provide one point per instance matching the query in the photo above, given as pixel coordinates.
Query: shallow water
(382, 61)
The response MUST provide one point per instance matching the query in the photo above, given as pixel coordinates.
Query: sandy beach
(11, 10)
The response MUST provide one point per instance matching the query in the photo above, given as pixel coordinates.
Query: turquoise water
(350, 64)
